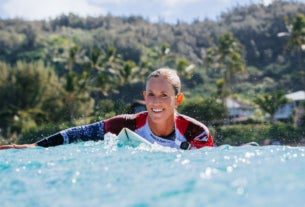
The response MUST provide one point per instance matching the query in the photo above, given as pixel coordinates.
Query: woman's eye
(150, 94)
(164, 95)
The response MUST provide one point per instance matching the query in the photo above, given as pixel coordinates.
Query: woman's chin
(156, 117)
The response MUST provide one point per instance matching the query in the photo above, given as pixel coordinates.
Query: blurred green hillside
(73, 70)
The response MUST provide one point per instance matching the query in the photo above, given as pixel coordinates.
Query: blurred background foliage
(73, 70)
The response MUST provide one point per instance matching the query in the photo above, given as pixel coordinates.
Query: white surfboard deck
(128, 137)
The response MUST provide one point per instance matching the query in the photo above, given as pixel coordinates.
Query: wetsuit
(188, 133)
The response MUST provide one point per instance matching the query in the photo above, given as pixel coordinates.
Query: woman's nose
(157, 100)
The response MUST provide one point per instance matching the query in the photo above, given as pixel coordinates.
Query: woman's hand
(17, 146)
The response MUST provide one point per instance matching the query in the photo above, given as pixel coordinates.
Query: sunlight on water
(110, 174)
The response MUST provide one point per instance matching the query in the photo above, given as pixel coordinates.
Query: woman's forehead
(159, 83)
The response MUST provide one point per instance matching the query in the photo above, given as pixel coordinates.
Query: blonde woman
(160, 124)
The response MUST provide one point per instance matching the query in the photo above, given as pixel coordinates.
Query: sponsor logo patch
(202, 137)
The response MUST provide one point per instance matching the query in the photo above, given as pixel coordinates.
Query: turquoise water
(105, 174)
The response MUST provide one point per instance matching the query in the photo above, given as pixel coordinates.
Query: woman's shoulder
(131, 121)
(117, 123)
(189, 121)
(194, 131)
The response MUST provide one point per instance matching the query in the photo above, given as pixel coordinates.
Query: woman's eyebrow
(162, 92)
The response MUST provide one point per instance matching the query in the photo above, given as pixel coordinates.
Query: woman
(160, 123)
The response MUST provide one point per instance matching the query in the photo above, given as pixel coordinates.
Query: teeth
(157, 110)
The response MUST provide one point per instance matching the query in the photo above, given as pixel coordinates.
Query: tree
(226, 56)
(160, 56)
(128, 73)
(270, 103)
(105, 70)
(185, 69)
(297, 42)
(297, 34)
(24, 89)
(207, 110)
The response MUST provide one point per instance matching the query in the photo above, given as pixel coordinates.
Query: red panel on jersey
(141, 119)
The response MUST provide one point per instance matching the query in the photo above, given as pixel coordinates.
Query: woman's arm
(88, 132)
(16, 146)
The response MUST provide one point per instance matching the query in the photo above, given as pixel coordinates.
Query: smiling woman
(160, 124)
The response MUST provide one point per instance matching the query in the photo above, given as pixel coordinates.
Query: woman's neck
(162, 129)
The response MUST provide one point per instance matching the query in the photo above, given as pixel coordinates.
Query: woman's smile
(156, 110)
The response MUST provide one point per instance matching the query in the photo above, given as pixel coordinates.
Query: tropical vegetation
(73, 70)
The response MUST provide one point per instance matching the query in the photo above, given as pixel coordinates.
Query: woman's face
(160, 99)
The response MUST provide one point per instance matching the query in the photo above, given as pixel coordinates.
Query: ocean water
(108, 174)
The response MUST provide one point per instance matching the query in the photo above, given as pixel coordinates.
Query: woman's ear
(179, 99)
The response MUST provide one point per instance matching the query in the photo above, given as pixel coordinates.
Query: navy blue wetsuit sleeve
(53, 140)
(88, 132)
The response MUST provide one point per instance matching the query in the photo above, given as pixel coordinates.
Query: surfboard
(130, 138)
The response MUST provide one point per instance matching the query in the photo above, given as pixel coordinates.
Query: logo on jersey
(202, 137)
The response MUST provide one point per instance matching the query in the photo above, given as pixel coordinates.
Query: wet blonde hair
(168, 74)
